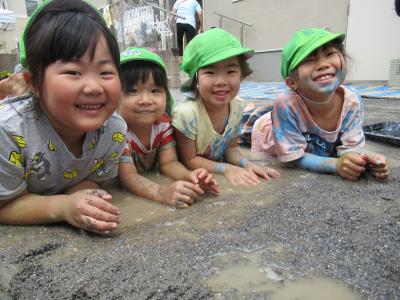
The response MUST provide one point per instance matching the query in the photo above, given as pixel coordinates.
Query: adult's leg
(190, 33)
(180, 30)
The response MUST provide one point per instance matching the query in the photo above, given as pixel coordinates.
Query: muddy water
(247, 273)
(231, 200)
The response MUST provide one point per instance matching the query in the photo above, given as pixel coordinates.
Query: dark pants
(182, 29)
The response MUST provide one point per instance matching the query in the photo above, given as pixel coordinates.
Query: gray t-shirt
(33, 157)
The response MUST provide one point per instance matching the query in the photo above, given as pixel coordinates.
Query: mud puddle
(231, 200)
(242, 274)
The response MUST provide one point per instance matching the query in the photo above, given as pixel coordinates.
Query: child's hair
(63, 30)
(139, 71)
(305, 42)
(209, 48)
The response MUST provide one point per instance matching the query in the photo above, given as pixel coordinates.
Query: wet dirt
(302, 233)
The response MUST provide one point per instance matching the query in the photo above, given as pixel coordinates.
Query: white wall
(373, 38)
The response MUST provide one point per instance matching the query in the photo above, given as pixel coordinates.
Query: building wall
(273, 23)
(373, 38)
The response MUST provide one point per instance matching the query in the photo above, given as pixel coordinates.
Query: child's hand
(204, 179)
(90, 210)
(265, 172)
(239, 176)
(350, 166)
(378, 165)
(180, 194)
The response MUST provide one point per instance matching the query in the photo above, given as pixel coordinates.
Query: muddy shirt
(192, 120)
(33, 157)
(162, 138)
(289, 130)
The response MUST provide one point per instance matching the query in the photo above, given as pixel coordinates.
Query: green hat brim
(310, 49)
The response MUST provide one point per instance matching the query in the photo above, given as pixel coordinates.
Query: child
(207, 126)
(146, 105)
(319, 124)
(60, 144)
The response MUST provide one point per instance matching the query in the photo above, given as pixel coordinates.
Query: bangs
(135, 72)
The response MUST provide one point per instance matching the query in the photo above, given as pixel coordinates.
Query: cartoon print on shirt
(20, 141)
(39, 165)
(70, 174)
(51, 146)
(100, 166)
(118, 137)
(92, 144)
(15, 158)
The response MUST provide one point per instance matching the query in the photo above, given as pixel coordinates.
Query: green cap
(22, 50)
(210, 47)
(131, 54)
(302, 44)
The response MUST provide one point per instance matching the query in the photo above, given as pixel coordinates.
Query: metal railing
(242, 23)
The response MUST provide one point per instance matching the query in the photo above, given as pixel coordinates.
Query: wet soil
(303, 232)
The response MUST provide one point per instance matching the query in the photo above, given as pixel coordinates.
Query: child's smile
(219, 83)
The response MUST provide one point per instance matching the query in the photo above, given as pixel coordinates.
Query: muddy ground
(304, 235)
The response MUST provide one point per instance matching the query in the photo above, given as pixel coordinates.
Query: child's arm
(170, 166)
(178, 194)
(234, 174)
(349, 166)
(87, 209)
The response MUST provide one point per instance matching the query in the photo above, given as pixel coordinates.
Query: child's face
(321, 72)
(144, 104)
(80, 95)
(219, 83)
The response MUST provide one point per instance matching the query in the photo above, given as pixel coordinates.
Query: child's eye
(208, 72)
(132, 91)
(330, 53)
(107, 73)
(156, 91)
(309, 59)
(73, 73)
(232, 71)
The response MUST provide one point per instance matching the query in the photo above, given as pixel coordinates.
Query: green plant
(4, 74)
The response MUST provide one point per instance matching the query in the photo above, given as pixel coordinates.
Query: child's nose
(220, 80)
(92, 86)
(146, 99)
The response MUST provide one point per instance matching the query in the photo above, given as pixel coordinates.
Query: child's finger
(208, 179)
(98, 226)
(180, 204)
(382, 176)
(253, 176)
(249, 179)
(353, 168)
(101, 215)
(185, 198)
(273, 173)
(192, 190)
(104, 205)
(193, 176)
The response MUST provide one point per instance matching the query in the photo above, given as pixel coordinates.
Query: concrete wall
(373, 38)
(274, 22)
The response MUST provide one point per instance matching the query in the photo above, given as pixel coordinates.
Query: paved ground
(304, 233)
